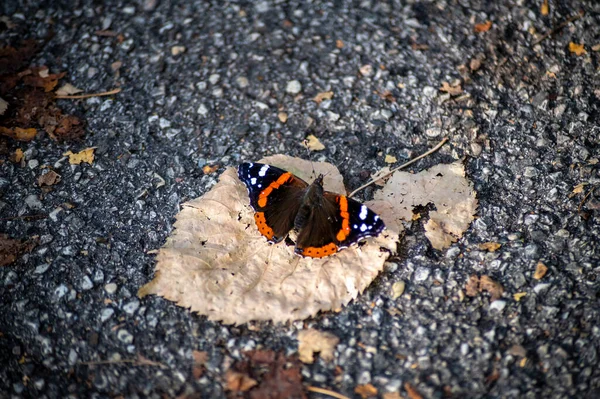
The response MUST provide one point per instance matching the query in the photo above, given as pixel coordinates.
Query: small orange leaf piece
(545, 8)
(484, 27)
(18, 134)
(412, 392)
(489, 246)
(366, 391)
(540, 271)
(577, 49)
(326, 95)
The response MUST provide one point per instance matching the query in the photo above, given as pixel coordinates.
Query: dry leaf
(18, 134)
(443, 185)
(313, 143)
(283, 117)
(41, 78)
(579, 188)
(577, 49)
(18, 155)
(313, 341)
(544, 9)
(540, 271)
(200, 359)
(494, 288)
(489, 246)
(484, 27)
(472, 287)
(49, 179)
(453, 90)
(390, 159)
(378, 178)
(207, 170)
(218, 264)
(11, 249)
(412, 391)
(339, 43)
(238, 382)
(326, 95)
(398, 289)
(86, 155)
(67, 89)
(519, 295)
(3, 106)
(391, 395)
(366, 391)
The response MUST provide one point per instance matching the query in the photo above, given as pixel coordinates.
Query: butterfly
(325, 222)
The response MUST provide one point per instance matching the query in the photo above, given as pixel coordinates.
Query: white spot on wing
(376, 217)
(253, 181)
(263, 171)
(363, 227)
(363, 212)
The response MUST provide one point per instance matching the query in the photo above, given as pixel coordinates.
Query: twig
(585, 198)
(28, 217)
(140, 361)
(559, 27)
(78, 96)
(327, 392)
(434, 149)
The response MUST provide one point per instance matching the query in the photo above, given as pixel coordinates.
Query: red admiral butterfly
(326, 222)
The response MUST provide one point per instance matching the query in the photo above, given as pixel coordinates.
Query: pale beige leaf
(313, 143)
(312, 341)
(3, 106)
(67, 89)
(217, 264)
(390, 159)
(443, 185)
(378, 177)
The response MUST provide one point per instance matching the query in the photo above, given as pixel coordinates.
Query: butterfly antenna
(309, 158)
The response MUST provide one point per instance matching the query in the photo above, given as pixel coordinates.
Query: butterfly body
(326, 222)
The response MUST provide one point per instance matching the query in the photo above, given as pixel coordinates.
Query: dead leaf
(390, 159)
(283, 117)
(577, 49)
(18, 134)
(366, 391)
(207, 170)
(313, 341)
(490, 246)
(11, 249)
(314, 144)
(200, 359)
(339, 43)
(453, 90)
(544, 9)
(326, 95)
(398, 289)
(391, 395)
(494, 288)
(540, 271)
(42, 79)
(3, 106)
(238, 382)
(14, 59)
(67, 89)
(18, 155)
(472, 287)
(378, 178)
(86, 155)
(412, 392)
(483, 27)
(519, 295)
(48, 179)
(579, 188)
(218, 264)
(443, 185)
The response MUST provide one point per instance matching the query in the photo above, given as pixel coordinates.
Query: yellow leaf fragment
(312, 341)
(86, 156)
(18, 155)
(313, 143)
(398, 289)
(519, 295)
(366, 391)
(579, 188)
(454, 89)
(545, 8)
(540, 271)
(207, 169)
(577, 49)
(390, 159)
(326, 95)
(489, 246)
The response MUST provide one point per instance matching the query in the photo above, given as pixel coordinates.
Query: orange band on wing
(345, 230)
(262, 197)
(319, 252)
(263, 227)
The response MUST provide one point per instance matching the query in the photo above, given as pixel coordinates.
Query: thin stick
(585, 198)
(559, 27)
(434, 149)
(327, 392)
(141, 361)
(78, 96)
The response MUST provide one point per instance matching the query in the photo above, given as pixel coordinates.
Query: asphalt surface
(525, 119)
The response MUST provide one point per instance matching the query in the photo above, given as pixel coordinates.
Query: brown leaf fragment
(207, 169)
(14, 59)
(540, 271)
(366, 391)
(313, 143)
(493, 377)
(86, 156)
(11, 249)
(577, 49)
(41, 79)
(454, 89)
(238, 382)
(412, 391)
(281, 380)
(483, 27)
(48, 179)
(339, 43)
(326, 95)
(492, 287)
(472, 287)
(313, 341)
(18, 155)
(489, 246)
(18, 134)
(200, 359)
(391, 395)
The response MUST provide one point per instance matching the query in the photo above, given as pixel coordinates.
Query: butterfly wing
(275, 196)
(336, 224)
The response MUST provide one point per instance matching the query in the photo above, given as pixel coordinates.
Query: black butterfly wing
(275, 195)
(335, 224)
